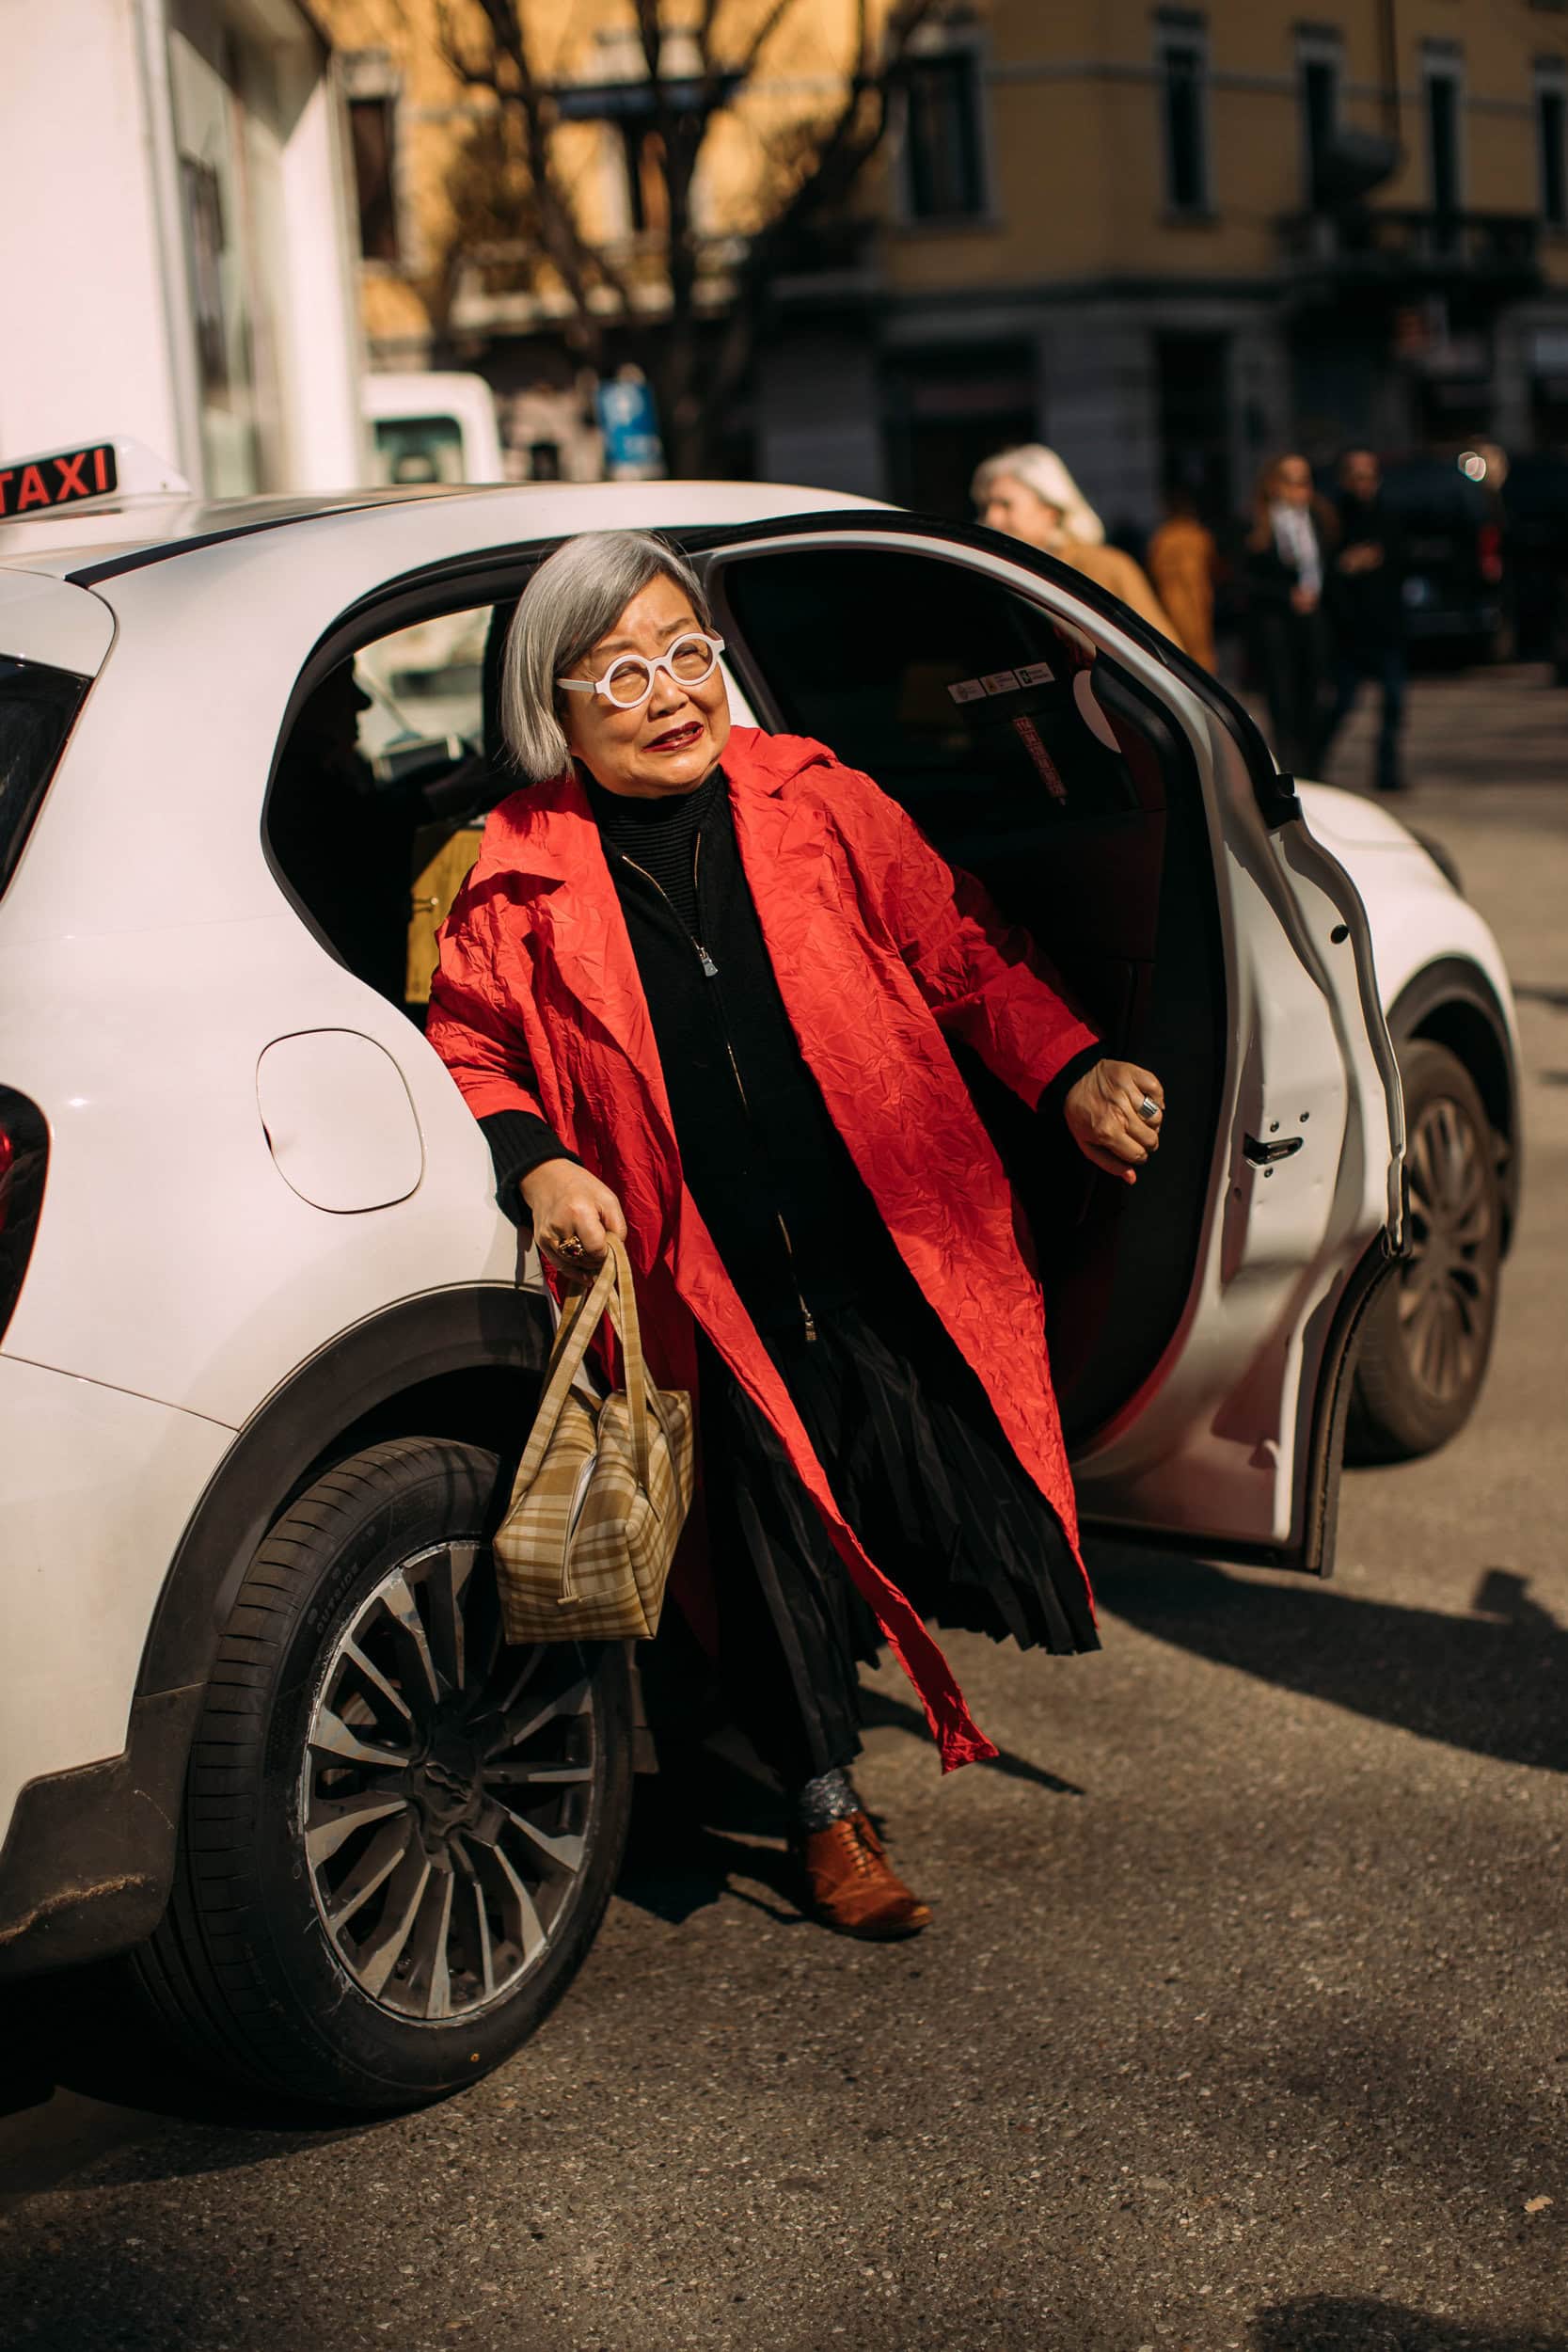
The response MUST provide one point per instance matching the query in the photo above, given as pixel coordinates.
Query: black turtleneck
(659, 836)
(792, 1220)
(777, 1190)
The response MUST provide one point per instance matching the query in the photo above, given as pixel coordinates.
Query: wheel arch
(1452, 1003)
(460, 1362)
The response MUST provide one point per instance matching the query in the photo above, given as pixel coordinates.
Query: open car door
(1117, 803)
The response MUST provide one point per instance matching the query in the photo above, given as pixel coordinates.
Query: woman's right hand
(567, 1205)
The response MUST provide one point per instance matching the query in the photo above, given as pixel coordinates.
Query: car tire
(1428, 1338)
(399, 1835)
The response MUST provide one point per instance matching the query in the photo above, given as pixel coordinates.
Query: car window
(412, 451)
(1035, 760)
(1537, 485)
(37, 707)
(973, 708)
(1434, 491)
(427, 683)
(379, 795)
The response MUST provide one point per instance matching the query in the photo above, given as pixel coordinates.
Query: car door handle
(1264, 1154)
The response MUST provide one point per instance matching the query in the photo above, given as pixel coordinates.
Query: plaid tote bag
(602, 1490)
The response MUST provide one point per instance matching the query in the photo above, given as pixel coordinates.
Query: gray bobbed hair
(575, 597)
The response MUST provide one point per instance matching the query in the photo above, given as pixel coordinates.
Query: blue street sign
(633, 450)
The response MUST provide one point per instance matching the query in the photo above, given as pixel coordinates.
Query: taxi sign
(52, 481)
(93, 470)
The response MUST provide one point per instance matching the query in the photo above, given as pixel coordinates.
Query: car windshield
(37, 707)
(1537, 485)
(414, 449)
(1433, 488)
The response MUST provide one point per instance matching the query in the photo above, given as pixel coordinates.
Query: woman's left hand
(1105, 1114)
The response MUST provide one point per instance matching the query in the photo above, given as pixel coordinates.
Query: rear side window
(37, 707)
(1435, 492)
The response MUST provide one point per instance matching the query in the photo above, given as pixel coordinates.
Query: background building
(1167, 239)
(177, 241)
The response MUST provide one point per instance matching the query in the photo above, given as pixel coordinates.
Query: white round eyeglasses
(630, 680)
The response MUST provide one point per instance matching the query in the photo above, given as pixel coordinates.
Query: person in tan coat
(1029, 493)
(1183, 559)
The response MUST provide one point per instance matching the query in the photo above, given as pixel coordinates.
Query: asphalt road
(1242, 2022)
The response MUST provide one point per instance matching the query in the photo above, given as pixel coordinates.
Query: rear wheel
(1429, 1338)
(400, 1835)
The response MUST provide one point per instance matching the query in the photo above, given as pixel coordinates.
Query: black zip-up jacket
(794, 1224)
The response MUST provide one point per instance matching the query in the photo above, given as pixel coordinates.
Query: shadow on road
(93, 2072)
(1331, 2323)
(1491, 1682)
(714, 1818)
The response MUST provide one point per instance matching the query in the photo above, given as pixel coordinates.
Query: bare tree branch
(816, 167)
(746, 64)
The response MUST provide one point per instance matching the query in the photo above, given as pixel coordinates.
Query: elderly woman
(698, 991)
(1029, 493)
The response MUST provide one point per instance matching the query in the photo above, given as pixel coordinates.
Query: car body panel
(99, 1487)
(1418, 917)
(224, 968)
(433, 522)
(147, 971)
(44, 619)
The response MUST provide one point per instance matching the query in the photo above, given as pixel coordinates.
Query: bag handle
(622, 1314)
(614, 1293)
(580, 1320)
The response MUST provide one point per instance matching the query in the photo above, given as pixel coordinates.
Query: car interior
(1026, 753)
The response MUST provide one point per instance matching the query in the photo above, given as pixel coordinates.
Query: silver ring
(1149, 1107)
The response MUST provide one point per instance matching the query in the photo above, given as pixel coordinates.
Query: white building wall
(85, 352)
(322, 342)
(99, 339)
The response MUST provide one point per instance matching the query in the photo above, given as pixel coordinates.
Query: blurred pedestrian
(1366, 608)
(1289, 549)
(1029, 493)
(1184, 561)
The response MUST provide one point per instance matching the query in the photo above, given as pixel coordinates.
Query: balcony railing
(1400, 249)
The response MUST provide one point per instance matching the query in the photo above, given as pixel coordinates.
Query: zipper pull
(710, 970)
(810, 1322)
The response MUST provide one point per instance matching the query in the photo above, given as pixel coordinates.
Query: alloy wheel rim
(1449, 1287)
(447, 1791)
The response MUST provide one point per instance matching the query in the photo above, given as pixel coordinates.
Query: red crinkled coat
(882, 953)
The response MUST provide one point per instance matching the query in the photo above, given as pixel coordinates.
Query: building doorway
(945, 410)
(1192, 380)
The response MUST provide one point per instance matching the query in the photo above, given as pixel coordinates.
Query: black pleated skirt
(921, 1469)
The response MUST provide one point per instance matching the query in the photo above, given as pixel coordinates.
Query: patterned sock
(818, 1803)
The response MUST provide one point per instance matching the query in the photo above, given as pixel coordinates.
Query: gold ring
(570, 1247)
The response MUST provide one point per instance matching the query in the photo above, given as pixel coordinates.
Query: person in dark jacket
(1366, 607)
(1287, 553)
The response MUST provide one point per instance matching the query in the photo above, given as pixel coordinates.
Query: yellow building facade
(1176, 237)
(1166, 238)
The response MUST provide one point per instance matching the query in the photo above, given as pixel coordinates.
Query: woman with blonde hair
(1029, 493)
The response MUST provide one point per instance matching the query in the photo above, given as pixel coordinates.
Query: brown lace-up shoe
(850, 1887)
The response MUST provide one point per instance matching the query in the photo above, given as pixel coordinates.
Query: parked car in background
(264, 1349)
(1536, 554)
(439, 427)
(1453, 587)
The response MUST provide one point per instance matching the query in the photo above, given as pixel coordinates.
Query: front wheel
(1429, 1338)
(400, 1835)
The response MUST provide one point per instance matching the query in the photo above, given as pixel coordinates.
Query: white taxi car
(264, 1351)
